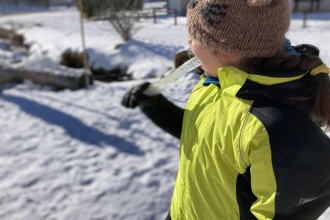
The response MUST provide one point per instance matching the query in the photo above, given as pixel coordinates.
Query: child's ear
(224, 57)
(227, 57)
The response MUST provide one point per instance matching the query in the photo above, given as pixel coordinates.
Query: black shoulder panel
(301, 161)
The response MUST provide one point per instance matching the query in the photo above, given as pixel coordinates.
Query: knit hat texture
(248, 28)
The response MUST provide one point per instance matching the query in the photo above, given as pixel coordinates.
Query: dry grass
(15, 38)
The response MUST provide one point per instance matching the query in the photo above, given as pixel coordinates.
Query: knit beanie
(247, 28)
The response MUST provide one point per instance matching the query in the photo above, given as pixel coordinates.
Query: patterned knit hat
(248, 28)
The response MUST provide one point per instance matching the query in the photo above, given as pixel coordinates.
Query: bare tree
(122, 14)
(124, 23)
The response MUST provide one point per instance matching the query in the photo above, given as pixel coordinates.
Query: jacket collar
(276, 87)
(232, 76)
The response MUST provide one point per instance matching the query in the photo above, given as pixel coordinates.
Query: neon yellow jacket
(247, 153)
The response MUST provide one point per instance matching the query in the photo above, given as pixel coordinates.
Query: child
(251, 146)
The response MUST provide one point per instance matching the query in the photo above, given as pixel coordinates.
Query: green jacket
(246, 156)
(248, 151)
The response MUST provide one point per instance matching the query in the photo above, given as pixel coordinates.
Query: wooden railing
(309, 7)
(314, 5)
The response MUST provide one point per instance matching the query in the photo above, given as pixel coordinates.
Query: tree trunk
(73, 79)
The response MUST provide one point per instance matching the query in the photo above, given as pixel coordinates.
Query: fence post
(85, 59)
(305, 19)
(154, 15)
(175, 17)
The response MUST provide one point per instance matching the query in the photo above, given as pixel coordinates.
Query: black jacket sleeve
(164, 114)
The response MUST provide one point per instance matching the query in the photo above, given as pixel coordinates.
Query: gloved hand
(135, 96)
(307, 49)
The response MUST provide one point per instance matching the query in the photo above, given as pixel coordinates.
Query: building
(61, 2)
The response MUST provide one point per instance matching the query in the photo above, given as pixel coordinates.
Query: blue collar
(211, 80)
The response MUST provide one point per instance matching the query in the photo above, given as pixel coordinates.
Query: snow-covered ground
(80, 155)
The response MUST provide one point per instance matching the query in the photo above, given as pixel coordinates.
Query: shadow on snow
(73, 126)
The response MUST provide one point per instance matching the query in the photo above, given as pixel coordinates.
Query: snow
(80, 154)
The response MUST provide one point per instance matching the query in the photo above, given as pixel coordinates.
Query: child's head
(245, 28)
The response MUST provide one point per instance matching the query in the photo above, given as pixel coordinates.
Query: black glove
(135, 95)
(307, 49)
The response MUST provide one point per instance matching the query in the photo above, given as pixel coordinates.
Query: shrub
(13, 37)
(85, 7)
(73, 59)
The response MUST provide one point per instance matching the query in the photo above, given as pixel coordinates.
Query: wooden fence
(310, 7)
